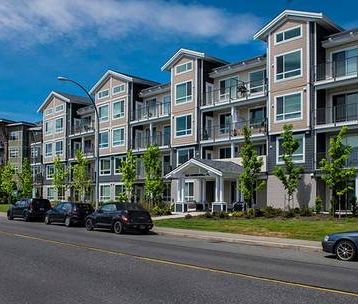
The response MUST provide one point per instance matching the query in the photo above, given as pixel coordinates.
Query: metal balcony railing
(337, 114)
(148, 111)
(83, 127)
(36, 159)
(232, 130)
(159, 139)
(336, 69)
(241, 90)
(87, 151)
(351, 162)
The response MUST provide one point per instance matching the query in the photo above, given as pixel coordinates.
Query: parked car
(120, 217)
(343, 244)
(69, 213)
(29, 209)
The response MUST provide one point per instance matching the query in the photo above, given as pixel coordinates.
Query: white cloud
(42, 21)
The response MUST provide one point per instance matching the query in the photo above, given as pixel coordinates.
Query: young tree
(59, 177)
(249, 181)
(7, 181)
(334, 167)
(128, 172)
(153, 175)
(25, 179)
(81, 180)
(289, 174)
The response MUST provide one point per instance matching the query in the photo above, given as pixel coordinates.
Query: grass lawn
(4, 207)
(310, 228)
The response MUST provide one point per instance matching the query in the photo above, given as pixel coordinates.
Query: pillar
(217, 188)
(221, 189)
(232, 150)
(203, 191)
(151, 133)
(237, 192)
(182, 190)
(356, 188)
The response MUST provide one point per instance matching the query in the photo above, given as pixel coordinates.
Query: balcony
(38, 178)
(149, 112)
(88, 151)
(36, 159)
(83, 127)
(351, 162)
(242, 91)
(338, 115)
(231, 131)
(159, 139)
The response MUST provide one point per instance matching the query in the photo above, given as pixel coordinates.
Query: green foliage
(305, 211)
(161, 209)
(250, 213)
(289, 213)
(188, 216)
(25, 179)
(8, 184)
(81, 180)
(60, 176)
(354, 207)
(122, 198)
(237, 214)
(289, 174)
(270, 212)
(318, 204)
(128, 174)
(249, 181)
(153, 175)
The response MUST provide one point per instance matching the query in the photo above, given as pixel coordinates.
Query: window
(225, 153)
(14, 135)
(50, 193)
(345, 62)
(184, 155)
(103, 113)
(183, 125)
(105, 166)
(166, 105)
(48, 149)
(185, 67)
(103, 94)
(345, 107)
(118, 109)
(118, 192)
(257, 117)
(118, 137)
(48, 127)
(288, 107)
(59, 108)
(59, 147)
(225, 123)
(260, 149)
(118, 163)
(59, 125)
(189, 191)
(103, 140)
(288, 65)
(298, 155)
(48, 111)
(50, 171)
(228, 88)
(35, 152)
(118, 89)
(14, 152)
(257, 81)
(183, 92)
(289, 34)
(105, 195)
(167, 192)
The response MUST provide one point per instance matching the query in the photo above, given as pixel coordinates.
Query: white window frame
(16, 137)
(48, 111)
(290, 119)
(50, 154)
(292, 77)
(278, 162)
(118, 86)
(47, 193)
(61, 151)
(100, 166)
(99, 142)
(50, 128)
(187, 98)
(263, 85)
(186, 130)
(287, 30)
(59, 108)
(47, 172)
(102, 97)
(189, 198)
(63, 122)
(186, 67)
(100, 192)
(99, 113)
(115, 159)
(178, 150)
(17, 154)
(226, 96)
(121, 143)
(122, 114)
(114, 190)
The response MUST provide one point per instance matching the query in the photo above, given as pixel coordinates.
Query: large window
(14, 135)
(118, 89)
(118, 191)
(167, 192)
(183, 92)
(103, 113)
(48, 127)
(225, 153)
(287, 35)
(257, 81)
(118, 109)
(105, 166)
(288, 107)
(183, 125)
(48, 149)
(59, 147)
(257, 117)
(166, 105)
(225, 123)
(103, 140)
(228, 88)
(118, 137)
(118, 163)
(59, 124)
(50, 171)
(14, 152)
(298, 156)
(103, 94)
(185, 67)
(345, 62)
(345, 107)
(288, 65)
(189, 191)
(184, 155)
(50, 193)
(104, 193)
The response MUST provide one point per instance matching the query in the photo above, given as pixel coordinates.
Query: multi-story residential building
(307, 78)
(4, 134)
(36, 161)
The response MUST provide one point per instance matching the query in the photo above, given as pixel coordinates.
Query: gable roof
(126, 77)
(181, 52)
(66, 98)
(292, 14)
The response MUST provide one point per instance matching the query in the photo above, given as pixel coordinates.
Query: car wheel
(9, 216)
(117, 227)
(89, 225)
(68, 221)
(47, 220)
(346, 250)
(26, 216)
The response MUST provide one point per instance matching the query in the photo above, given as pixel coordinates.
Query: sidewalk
(241, 239)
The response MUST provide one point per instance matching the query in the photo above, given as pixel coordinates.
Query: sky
(81, 39)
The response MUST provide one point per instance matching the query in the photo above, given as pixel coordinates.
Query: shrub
(160, 210)
(306, 211)
(318, 204)
(220, 214)
(250, 213)
(188, 216)
(290, 213)
(354, 208)
(207, 215)
(270, 212)
(237, 214)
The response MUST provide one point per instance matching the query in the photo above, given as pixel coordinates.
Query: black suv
(120, 217)
(69, 213)
(29, 209)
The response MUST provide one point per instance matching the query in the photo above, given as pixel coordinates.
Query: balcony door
(345, 107)
(345, 62)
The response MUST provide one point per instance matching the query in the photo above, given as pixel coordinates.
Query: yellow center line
(184, 265)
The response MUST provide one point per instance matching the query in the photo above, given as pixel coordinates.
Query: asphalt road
(55, 264)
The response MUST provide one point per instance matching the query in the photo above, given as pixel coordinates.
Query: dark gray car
(343, 244)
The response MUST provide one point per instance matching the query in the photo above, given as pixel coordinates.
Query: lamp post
(96, 134)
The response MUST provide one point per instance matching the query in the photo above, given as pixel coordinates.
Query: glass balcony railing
(83, 127)
(332, 70)
(159, 139)
(150, 111)
(337, 114)
(351, 162)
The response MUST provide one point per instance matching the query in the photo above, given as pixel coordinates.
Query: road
(54, 264)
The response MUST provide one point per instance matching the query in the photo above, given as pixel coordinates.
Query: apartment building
(307, 78)
(4, 134)
(36, 161)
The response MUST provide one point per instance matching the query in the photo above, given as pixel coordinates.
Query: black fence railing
(337, 114)
(337, 68)
(149, 111)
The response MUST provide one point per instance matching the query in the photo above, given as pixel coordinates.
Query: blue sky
(81, 39)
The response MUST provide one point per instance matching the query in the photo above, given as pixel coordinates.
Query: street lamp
(96, 134)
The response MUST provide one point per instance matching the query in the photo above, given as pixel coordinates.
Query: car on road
(120, 217)
(343, 244)
(69, 213)
(29, 209)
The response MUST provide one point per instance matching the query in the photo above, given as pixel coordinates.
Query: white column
(151, 133)
(182, 189)
(217, 188)
(221, 189)
(232, 112)
(203, 190)
(179, 190)
(232, 150)
(237, 192)
(356, 190)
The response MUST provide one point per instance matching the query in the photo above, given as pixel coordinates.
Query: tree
(289, 174)
(25, 179)
(334, 167)
(128, 172)
(153, 184)
(81, 180)
(59, 177)
(249, 181)
(7, 181)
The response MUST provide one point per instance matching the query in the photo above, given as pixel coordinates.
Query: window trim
(186, 97)
(110, 192)
(63, 123)
(286, 30)
(291, 119)
(103, 97)
(51, 127)
(187, 70)
(47, 175)
(190, 181)
(181, 149)
(263, 85)
(99, 112)
(48, 111)
(124, 109)
(62, 108)
(11, 149)
(222, 148)
(116, 86)
(292, 77)
(99, 137)
(114, 189)
(191, 130)
(59, 141)
(303, 150)
(48, 155)
(122, 157)
(223, 97)
(124, 137)
(100, 165)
